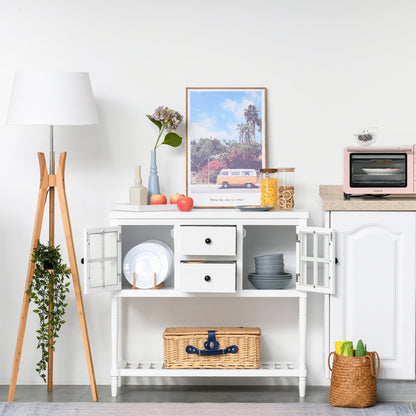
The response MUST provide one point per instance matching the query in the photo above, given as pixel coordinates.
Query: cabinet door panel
(375, 291)
(315, 260)
(102, 259)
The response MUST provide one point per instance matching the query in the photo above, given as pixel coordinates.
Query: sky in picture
(216, 113)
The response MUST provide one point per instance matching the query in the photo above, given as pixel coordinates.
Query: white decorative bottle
(138, 193)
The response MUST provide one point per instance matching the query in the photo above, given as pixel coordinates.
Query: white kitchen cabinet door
(315, 260)
(102, 264)
(375, 296)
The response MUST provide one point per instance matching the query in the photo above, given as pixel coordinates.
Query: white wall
(330, 67)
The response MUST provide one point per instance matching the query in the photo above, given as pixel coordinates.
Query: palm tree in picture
(260, 125)
(250, 134)
(241, 131)
(251, 115)
(245, 133)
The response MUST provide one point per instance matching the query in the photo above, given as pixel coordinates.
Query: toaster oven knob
(207, 278)
(208, 240)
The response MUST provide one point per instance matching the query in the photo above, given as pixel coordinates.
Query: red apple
(185, 203)
(158, 199)
(174, 198)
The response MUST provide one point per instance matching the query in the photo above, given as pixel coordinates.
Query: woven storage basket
(212, 347)
(353, 380)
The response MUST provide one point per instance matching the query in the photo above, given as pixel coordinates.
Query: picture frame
(226, 145)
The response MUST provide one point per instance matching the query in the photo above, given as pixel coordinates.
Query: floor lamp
(51, 99)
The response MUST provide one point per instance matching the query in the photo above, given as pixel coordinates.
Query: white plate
(381, 171)
(145, 259)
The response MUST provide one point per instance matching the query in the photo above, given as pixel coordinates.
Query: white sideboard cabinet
(375, 292)
(222, 244)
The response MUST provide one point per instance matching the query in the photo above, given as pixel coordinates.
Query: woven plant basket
(353, 380)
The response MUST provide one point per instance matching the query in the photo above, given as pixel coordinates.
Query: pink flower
(169, 120)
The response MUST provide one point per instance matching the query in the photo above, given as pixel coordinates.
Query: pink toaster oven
(379, 170)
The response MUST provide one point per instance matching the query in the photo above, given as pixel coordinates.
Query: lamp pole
(51, 155)
(51, 243)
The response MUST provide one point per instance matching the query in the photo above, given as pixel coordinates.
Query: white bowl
(367, 136)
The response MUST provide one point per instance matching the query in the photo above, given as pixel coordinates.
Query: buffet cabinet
(220, 244)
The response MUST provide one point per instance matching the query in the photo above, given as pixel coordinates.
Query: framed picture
(225, 145)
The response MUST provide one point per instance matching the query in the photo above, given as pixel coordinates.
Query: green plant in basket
(48, 292)
(347, 349)
(361, 349)
(166, 119)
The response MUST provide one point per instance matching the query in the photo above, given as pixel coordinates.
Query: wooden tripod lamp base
(50, 182)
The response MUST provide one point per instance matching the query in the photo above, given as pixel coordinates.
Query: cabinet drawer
(208, 241)
(207, 277)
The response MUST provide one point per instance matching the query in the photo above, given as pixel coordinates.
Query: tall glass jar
(268, 187)
(286, 188)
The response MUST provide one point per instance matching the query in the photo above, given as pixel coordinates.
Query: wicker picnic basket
(353, 380)
(212, 347)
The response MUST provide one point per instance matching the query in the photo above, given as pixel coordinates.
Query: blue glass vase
(153, 186)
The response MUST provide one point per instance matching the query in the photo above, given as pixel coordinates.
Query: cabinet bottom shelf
(155, 369)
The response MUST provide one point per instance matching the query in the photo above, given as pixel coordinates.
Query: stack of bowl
(269, 273)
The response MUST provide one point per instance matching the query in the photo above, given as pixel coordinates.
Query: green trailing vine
(49, 286)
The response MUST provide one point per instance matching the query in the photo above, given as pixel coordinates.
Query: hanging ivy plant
(49, 287)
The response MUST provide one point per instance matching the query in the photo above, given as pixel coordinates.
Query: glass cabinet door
(315, 254)
(102, 266)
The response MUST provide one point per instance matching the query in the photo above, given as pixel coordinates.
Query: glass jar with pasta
(268, 187)
(286, 188)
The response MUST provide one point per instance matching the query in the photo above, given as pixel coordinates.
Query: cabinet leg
(119, 382)
(302, 345)
(302, 386)
(114, 382)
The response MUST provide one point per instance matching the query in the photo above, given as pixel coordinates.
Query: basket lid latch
(211, 343)
(211, 347)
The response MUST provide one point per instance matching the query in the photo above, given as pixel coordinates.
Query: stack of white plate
(269, 273)
(146, 259)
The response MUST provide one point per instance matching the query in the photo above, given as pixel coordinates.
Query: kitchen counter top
(332, 197)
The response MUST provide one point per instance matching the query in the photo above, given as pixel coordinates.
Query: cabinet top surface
(211, 214)
(332, 197)
(246, 293)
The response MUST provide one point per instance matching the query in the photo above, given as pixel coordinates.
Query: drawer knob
(207, 278)
(207, 240)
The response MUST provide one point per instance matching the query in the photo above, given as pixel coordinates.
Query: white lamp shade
(52, 98)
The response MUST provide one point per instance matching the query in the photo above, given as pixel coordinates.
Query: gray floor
(387, 391)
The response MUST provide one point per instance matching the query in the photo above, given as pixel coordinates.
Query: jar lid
(269, 170)
(285, 169)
